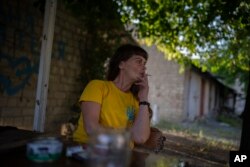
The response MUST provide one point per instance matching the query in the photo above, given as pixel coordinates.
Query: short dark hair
(123, 53)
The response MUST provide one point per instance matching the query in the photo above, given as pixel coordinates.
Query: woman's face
(134, 68)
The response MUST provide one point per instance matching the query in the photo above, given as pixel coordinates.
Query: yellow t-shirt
(118, 109)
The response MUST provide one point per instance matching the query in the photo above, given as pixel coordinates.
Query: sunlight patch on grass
(198, 132)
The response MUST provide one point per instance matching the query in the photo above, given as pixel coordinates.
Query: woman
(121, 102)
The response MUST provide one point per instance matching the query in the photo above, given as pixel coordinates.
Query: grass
(231, 120)
(226, 135)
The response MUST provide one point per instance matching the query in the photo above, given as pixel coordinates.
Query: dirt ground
(195, 152)
(209, 150)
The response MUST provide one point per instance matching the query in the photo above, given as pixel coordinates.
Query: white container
(44, 149)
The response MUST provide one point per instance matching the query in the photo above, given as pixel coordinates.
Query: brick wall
(64, 84)
(20, 31)
(166, 86)
(185, 96)
(21, 26)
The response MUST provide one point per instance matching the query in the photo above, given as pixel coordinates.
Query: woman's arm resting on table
(141, 128)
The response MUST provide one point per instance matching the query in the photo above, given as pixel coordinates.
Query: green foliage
(102, 33)
(218, 32)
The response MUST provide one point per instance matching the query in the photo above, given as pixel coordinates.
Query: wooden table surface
(13, 153)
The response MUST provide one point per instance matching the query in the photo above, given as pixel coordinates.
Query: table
(13, 153)
(17, 157)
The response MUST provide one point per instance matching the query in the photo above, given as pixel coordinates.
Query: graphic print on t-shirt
(130, 115)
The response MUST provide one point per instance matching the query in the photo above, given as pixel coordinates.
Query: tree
(216, 31)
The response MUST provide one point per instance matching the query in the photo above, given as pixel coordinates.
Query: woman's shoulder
(98, 83)
(103, 85)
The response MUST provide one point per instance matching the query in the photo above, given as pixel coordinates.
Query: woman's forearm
(141, 128)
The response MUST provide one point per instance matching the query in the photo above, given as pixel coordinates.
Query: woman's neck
(122, 83)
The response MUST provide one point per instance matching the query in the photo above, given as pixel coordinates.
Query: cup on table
(109, 148)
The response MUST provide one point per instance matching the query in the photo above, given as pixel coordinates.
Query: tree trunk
(245, 134)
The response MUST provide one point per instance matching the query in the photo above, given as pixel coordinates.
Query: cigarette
(148, 75)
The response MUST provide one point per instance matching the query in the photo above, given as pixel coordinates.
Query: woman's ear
(121, 65)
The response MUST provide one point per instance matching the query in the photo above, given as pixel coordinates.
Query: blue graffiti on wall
(22, 68)
(18, 67)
